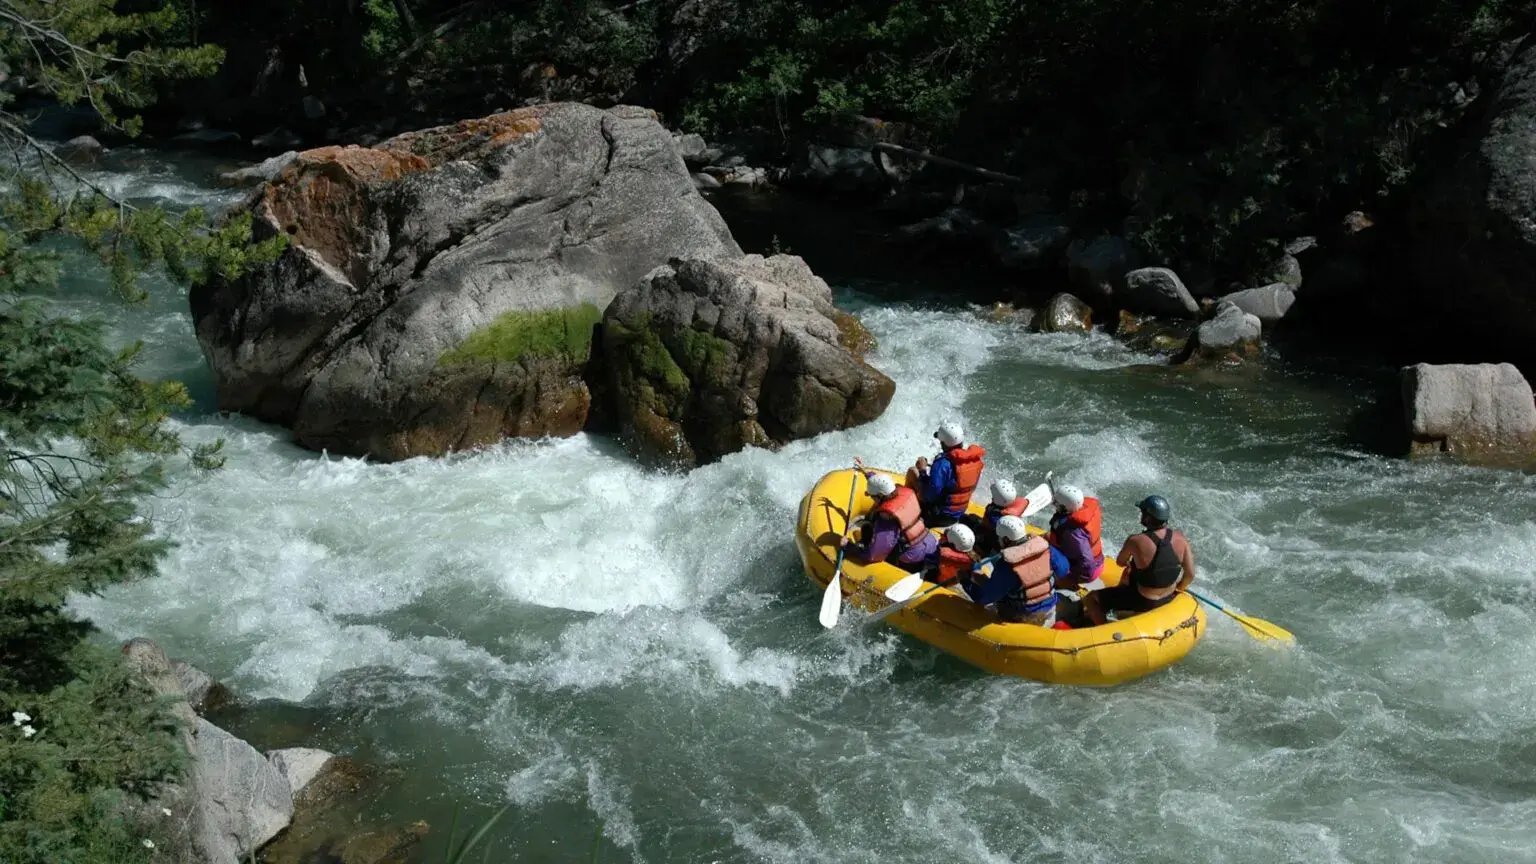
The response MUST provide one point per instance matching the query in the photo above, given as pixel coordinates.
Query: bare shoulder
(1179, 540)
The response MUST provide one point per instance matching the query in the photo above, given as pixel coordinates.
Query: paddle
(832, 598)
(904, 593)
(1257, 628)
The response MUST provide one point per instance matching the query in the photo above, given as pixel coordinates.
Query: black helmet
(1155, 506)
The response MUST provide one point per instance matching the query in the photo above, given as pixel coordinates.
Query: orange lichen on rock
(469, 137)
(321, 200)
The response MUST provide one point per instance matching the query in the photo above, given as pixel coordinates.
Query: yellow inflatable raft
(1095, 656)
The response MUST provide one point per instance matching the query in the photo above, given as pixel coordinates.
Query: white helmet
(1069, 497)
(1003, 492)
(1011, 529)
(950, 434)
(881, 486)
(960, 537)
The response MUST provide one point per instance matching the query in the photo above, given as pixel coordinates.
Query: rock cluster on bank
(234, 800)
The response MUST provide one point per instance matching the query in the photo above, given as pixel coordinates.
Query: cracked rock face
(439, 288)
(705, 357)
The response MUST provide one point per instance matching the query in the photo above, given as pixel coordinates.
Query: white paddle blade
(832, 601)
(1039, 498)
(904, 589)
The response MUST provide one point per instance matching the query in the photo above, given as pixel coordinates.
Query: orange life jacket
(902, 506)
(967, 464)
(1091, 519)
(1031, 562)
(952, 564)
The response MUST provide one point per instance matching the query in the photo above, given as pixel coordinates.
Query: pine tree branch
(9, 126)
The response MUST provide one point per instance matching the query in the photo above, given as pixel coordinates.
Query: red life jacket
(1089, 518)
(1015, 507)
(1031, 562)
(967, 464)
(952, 564)
(902, 506)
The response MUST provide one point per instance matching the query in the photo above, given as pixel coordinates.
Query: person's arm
(882, 542)
(1187, 560)
(940, 476)
(1000, 584)
(1127, 552)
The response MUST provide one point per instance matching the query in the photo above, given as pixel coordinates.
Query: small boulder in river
(1268, 303)
(1483, 412)
(1065, 314)
(81, 150)
(440, 288)
(1157, 291)
(1230, 334)
(705, 357)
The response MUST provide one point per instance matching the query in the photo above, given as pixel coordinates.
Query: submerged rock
(1156, 335)
(1157, 291)
(705, 357)
(1483, 413)
(440, 289)
(1065, 314)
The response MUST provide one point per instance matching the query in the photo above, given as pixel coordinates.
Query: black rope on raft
(1193, 621)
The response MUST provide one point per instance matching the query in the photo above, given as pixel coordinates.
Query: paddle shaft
(1256, 628)
(832, 599)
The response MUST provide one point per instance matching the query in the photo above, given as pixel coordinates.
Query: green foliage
(909, 60)
(564, 334)
(83, 439)
(385, 35)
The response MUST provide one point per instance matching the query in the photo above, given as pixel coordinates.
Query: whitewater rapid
(632, 659)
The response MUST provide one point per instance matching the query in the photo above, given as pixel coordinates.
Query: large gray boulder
(1483, 412)
(705, 357)
(1473, 226)
(231, 800)
(440, 288)
(1268, 303)
(1230, 334)
(1157, 291)
(243, 800)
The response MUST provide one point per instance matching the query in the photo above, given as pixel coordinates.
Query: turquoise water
(632, 659)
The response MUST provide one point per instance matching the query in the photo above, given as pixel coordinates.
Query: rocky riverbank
(292, 804)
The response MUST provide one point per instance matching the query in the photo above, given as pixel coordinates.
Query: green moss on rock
(557, 333)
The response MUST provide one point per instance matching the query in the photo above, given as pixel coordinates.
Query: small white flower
(148, 843)
(28, 731)
(19, 717)
(165, 811)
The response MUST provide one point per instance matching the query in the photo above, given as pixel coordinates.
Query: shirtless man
(1158, 565)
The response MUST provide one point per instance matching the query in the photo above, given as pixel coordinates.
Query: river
(632, 660)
